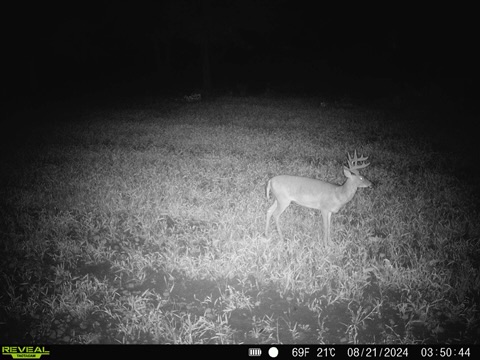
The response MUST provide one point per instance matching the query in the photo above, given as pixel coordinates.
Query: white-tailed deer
(315, 194)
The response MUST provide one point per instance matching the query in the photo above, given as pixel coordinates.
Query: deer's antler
(353, 163)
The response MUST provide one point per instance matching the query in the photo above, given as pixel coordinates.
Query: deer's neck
(346, 192)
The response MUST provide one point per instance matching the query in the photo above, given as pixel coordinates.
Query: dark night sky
(259, 44)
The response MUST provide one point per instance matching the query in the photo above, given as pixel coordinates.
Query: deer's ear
(347, 172)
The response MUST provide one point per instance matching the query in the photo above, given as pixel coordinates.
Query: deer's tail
(267, 189)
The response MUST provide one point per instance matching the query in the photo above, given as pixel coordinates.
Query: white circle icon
(273, 352)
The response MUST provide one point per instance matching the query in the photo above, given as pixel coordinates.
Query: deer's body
(315, 194)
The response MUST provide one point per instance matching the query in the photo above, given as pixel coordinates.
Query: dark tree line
(206, 44)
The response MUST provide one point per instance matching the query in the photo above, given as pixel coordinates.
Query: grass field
(143, 223)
